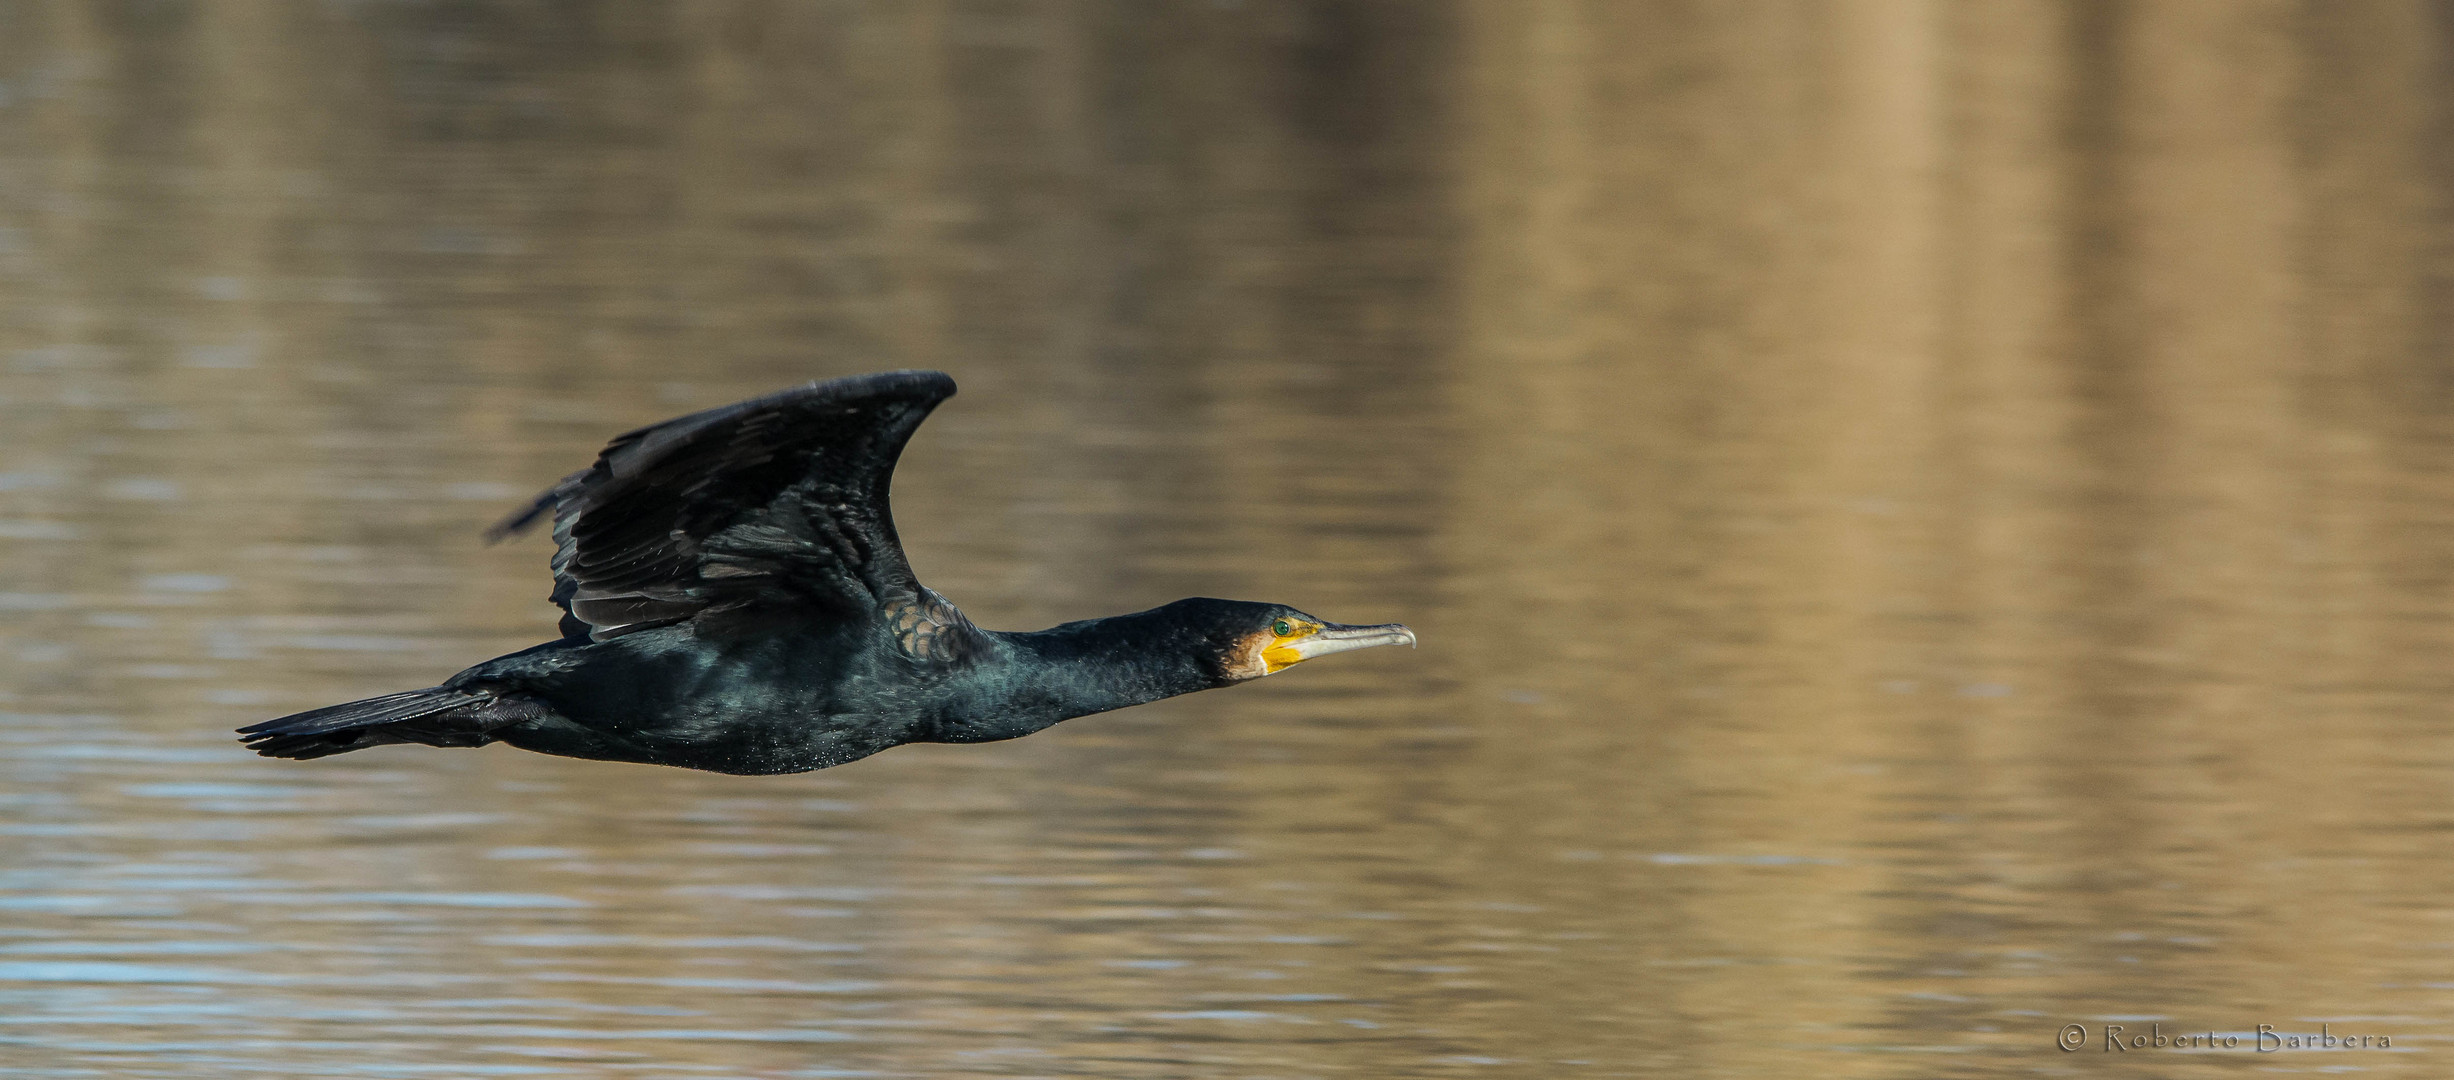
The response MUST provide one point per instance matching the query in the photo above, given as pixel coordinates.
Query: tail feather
(407, 705)
(435, 716)
(309, 747)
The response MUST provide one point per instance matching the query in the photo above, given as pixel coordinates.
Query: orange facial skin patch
(1280, 653)
(1266, 653)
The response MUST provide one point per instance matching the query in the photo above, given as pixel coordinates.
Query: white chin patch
(1247, 663)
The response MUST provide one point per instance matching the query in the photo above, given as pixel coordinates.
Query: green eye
(1283, 628)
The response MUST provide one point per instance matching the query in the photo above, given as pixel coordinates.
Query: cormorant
(735, 599)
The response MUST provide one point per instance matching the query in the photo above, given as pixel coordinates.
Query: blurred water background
(1929, 523)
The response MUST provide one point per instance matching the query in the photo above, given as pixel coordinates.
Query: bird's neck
(1080, 668)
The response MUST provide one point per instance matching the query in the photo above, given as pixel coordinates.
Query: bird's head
(1252, 640)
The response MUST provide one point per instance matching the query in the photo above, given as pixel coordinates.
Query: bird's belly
(735, 714)
(755, 743)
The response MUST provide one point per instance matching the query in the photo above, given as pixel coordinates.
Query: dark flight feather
(779, 500)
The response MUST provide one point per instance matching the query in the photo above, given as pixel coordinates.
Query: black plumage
(735, 599)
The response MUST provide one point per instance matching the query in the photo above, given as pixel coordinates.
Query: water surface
(1928, 524)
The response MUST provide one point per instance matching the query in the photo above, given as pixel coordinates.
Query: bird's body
(735, 599)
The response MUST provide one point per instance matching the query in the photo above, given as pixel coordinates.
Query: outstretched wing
(775, 501)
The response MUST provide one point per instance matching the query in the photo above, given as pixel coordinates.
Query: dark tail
(435, 716)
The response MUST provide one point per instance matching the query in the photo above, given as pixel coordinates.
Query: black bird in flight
(735, 599)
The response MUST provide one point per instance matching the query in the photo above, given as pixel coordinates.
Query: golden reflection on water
(1927, 524)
